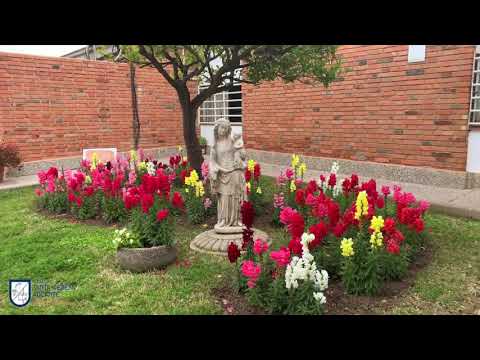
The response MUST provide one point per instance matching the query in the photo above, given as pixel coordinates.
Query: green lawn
(60, 251)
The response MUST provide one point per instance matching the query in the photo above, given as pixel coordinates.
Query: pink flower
(423, 205)
(171, 178)
(132, 177)
(281, 257)
(42, 177)
(289, 173)
(251, 271)
(259, 247)
(207, 203)
(281, 179)
(278, 201)
(205, 169)
(141, 155)
(50, 185)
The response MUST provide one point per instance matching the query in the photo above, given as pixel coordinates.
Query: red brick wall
(384, 110)
(55, 107)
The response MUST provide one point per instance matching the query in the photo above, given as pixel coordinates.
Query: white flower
(335, 168)
(319, 297)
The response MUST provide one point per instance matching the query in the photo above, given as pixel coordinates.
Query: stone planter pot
(2, 173)
(146, 259)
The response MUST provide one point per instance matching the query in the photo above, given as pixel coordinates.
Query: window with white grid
(475, 104)
(227, 104)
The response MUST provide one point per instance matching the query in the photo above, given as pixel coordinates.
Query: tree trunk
(135, 119)
(194, 152)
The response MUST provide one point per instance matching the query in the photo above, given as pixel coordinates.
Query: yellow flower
(251, 165)
(376, 239)
(377, 223)
(293, 187)
(142, 166)
(88, 179)
(295, 161)
(347, 247)
(302, 169)
(259, 190)
(133, 155)
(94, 161)
(199, 190)
(361, 205)
(192, 179)
(249, 186)
(186, 190)
(180, 148)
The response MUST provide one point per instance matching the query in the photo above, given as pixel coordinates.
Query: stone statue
(227, 180)
(227, 177)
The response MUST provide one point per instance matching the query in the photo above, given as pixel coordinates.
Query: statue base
(228, 230)
(212, 242)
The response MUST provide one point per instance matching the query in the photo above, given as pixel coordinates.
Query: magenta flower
(260, 246)
(205, 169)
(251, 271)
(207, 203)
(423, 205)
(281, 257)
(281, 179)
(289, 173)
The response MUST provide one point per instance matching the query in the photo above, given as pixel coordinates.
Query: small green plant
(125, 239)
(113, 209)
(54, 202)
(203, 141)
(154, 228)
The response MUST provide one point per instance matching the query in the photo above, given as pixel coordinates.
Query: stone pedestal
(211, 242)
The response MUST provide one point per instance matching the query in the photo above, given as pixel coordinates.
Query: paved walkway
(465, 203)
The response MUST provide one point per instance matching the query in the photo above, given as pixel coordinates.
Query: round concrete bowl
(146, 259)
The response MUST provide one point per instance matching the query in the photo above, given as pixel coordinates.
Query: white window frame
(417, 53)
(224, 107)
(475, 70)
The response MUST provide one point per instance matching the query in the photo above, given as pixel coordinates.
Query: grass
(60, 251)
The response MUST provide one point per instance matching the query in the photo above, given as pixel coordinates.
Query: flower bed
(136, 191)
(350, 232)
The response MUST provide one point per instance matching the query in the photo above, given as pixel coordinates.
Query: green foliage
(203, 141)
(149, 231)
(89, 208)
(113, 210)
(53, 202)
(361, 273)
(125, 239)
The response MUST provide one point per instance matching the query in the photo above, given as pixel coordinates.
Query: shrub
(9, 155)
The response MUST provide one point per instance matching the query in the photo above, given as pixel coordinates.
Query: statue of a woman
(227, 177)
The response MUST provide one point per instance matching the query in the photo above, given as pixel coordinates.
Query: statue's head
(222, 129)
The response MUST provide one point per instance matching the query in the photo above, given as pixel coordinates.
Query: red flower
(320, 231)
(354, 180)
(393, 247)
(233, 252)
(71, 197)
(385, 190)
(312, 187)
(389, 225)
(52, 172)
(339, 229)
(38, 191)
(322, 178)
(248, 214)
(162, 214)
(247, 238)
(300, 197)
(248, 175)
(256, 171)
(295, 246)
(146, 201)
(79, 201)
(89, 190)
(347, 186)
(294, 221)
(332, 180)
(419, 225)
(177, 200)
(183, 175)
(380, 203)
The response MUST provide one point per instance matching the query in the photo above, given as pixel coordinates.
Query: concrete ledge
(401, 173)
(32, 167)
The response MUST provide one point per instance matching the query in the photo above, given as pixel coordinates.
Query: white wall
(473, 154)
